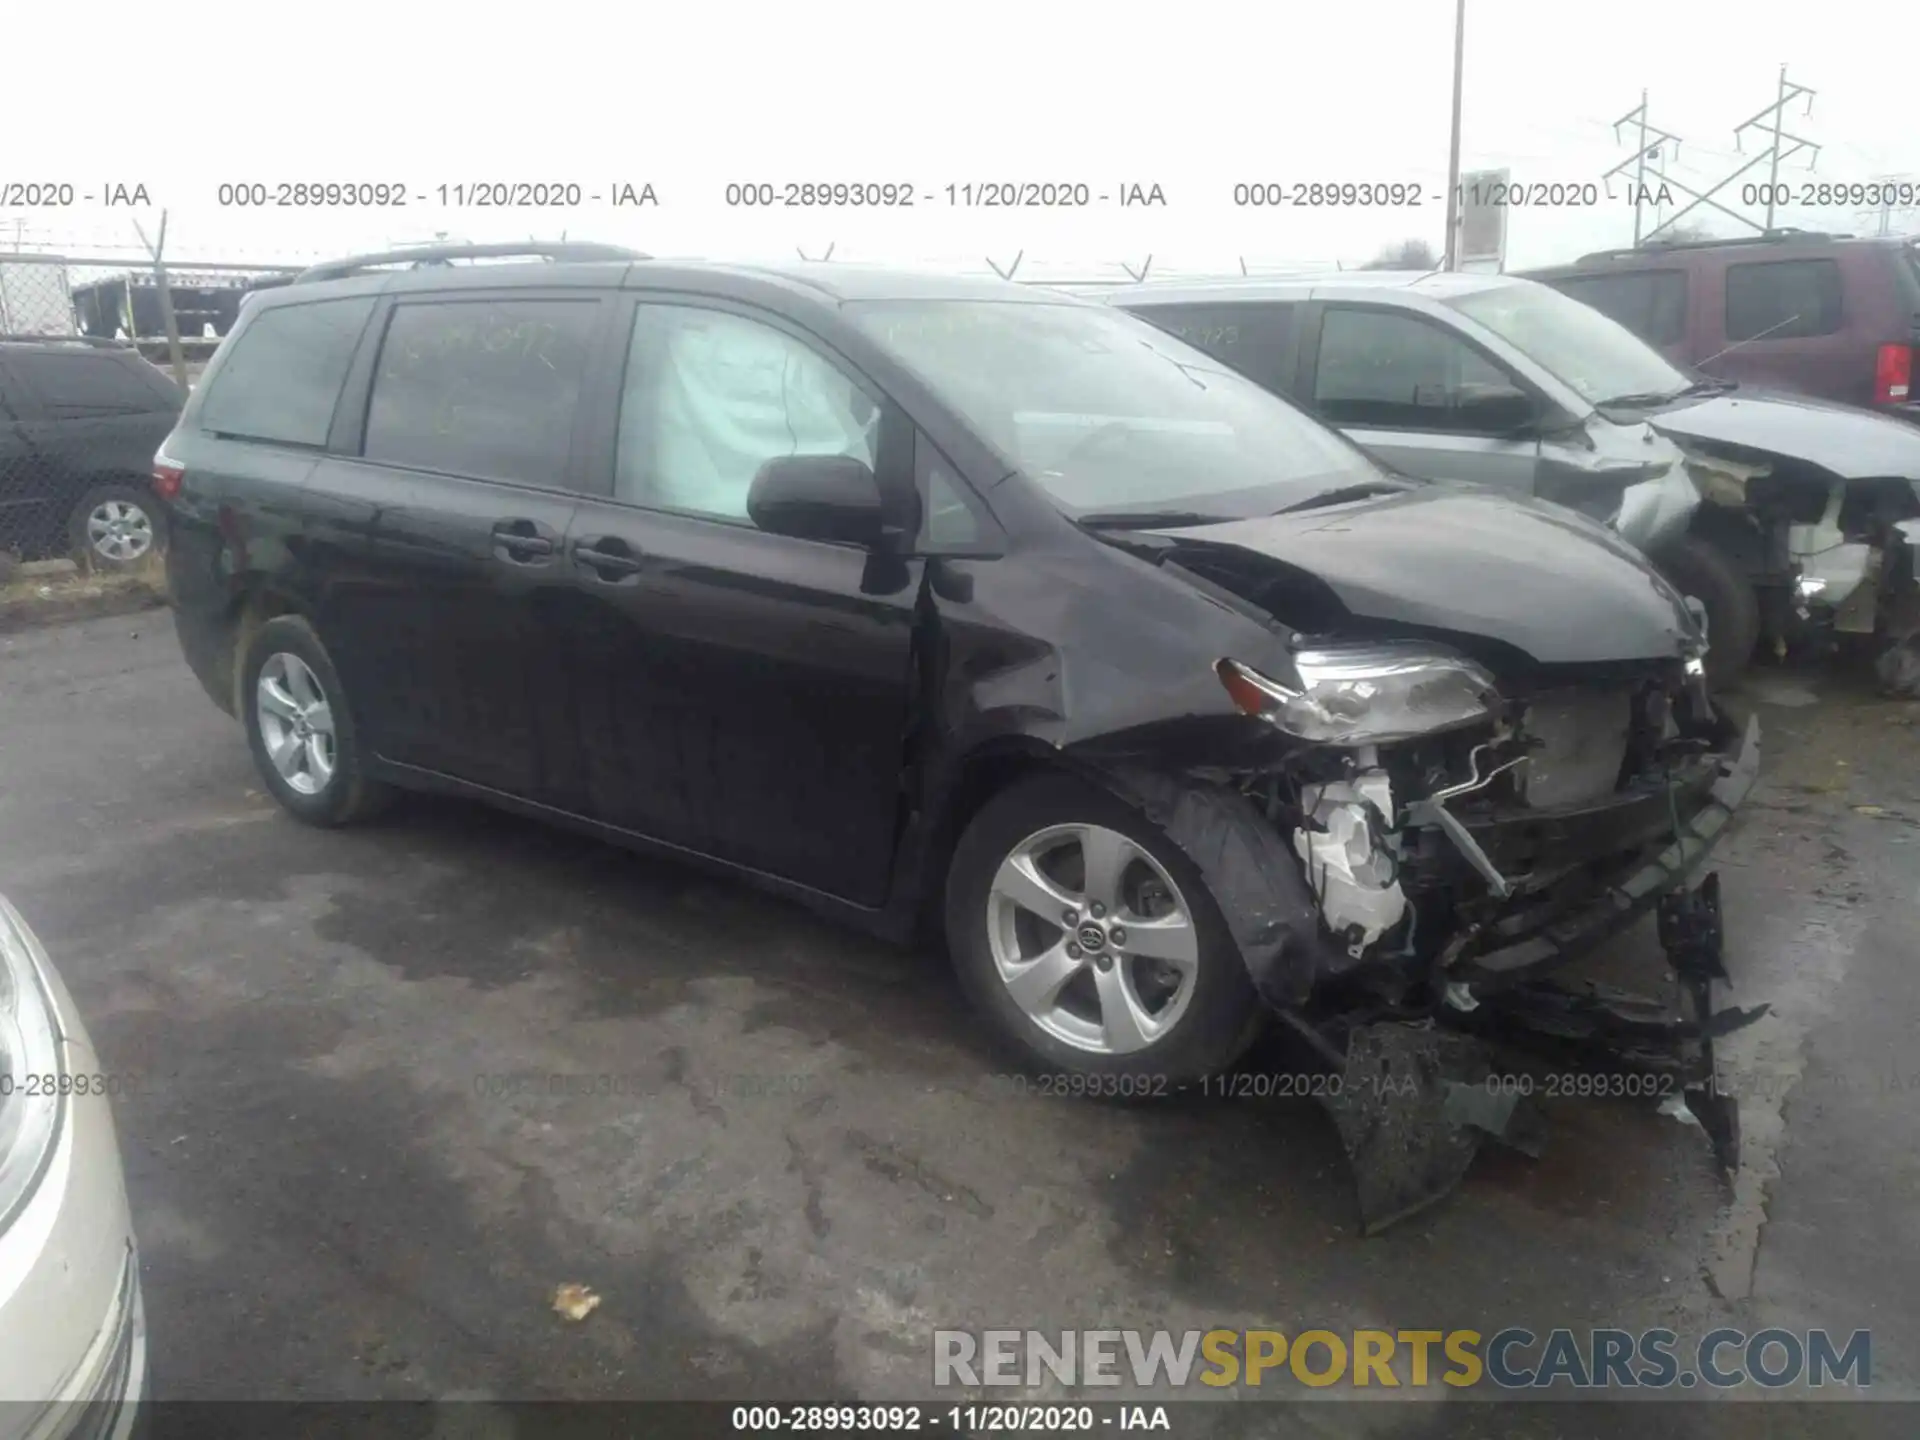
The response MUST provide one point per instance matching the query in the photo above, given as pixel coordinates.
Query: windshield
(1108, 414)
(1598, 358)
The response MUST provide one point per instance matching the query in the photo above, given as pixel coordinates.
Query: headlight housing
(31, 1105)
(1366, 694)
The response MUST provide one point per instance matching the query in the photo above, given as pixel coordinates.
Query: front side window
(712, 396)
(1783, 299)
(1650, 303)
(282, 378)
(1597, 358)
(1107, 413)
(1398, 372)
(482, 388)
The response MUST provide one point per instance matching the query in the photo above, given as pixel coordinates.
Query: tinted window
(85, 383)
(1782, 299)
(1252, 338)
(283, 376)
(711, 397)
(1380, 367)
(487, 388)
(1650, 303)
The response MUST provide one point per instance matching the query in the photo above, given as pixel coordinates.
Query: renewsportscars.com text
(1511, 1359)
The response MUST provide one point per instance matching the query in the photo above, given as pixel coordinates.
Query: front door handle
(523, 542)
(607, 557)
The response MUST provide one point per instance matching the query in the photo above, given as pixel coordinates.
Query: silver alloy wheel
(119, 530)
(1092, 939)
(296, 723)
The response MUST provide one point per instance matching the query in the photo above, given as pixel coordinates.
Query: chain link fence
(95, 353)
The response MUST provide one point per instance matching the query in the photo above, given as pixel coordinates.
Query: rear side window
(485, 388)
(283, 377)
(1252, 338)
(1650, 303)
(87, 383)
(1783, 299)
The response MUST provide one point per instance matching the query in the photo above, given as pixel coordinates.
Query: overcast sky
(1193, 97)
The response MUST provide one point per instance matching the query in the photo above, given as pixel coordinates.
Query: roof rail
(419, 255)
(106, 342)
(1776, 236)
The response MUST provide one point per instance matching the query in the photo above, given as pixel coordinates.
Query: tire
(1197, 1029)
(1701, 569)
(325, 783)
(116, 526)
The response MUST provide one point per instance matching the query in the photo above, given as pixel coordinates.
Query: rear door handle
(523, 542)
(606, 557)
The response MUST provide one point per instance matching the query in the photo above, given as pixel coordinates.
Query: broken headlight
(30, 1065)
(1366, 694)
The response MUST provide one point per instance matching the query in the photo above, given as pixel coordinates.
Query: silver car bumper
(73, 1338)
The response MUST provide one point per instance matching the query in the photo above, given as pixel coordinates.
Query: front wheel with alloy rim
(1090, 941)
(300, 729)
(114, 526)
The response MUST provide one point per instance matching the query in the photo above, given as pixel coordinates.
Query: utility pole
(1453, 143)
(1651, 138)
(1787, 92)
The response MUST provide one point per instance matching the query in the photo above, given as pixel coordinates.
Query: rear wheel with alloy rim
(1091, 941)
(114, 526)
(300, 728)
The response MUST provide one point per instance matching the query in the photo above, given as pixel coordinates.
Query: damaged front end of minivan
(1442, 828)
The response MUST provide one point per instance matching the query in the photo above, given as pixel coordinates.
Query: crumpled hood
(1480, 562)
(1852, 444)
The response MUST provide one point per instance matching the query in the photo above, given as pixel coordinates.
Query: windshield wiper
(1365, 490)
(1705, 385)
(1145, 519)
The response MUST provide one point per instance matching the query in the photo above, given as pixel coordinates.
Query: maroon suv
(1832, 316)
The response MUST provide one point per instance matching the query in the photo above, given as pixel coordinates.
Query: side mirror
(818, 497)
(1500, 412)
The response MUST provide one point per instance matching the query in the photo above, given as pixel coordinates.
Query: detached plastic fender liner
(1254, 877)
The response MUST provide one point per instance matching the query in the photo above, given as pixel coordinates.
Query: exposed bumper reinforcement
(1558, 941)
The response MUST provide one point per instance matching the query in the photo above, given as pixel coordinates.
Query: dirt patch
(52, 596)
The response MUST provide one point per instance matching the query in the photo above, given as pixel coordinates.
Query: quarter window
(282, 378)
(711, 396)
(1783, 299)
(486, 388)
(1380, 368)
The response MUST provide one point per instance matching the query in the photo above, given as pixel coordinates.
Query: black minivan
(926, 599)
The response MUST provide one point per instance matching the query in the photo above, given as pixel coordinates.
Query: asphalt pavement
(783, 1154)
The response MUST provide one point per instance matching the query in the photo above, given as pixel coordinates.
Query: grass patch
(51, 599)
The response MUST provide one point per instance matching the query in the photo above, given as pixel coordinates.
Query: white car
(73, 1341)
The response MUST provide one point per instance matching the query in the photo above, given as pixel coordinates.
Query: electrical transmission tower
(1768, 122)
(1649, 161)
(1650, 138)
(1893, 208)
